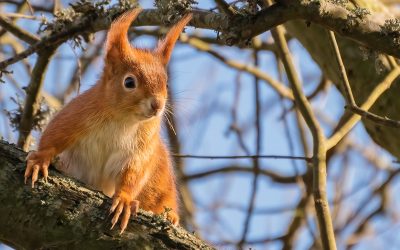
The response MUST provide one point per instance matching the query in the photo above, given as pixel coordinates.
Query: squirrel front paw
(37, 162)
(123, 204)
(173, 217)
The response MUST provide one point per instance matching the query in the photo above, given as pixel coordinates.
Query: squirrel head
(135, 79)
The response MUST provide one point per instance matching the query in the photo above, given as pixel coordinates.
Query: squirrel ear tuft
(117, 42)
(165, 46)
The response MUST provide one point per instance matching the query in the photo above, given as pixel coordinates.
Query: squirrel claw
(173, 217)
(114, 205)
(35, 175)
(125, 208)
(36, 163)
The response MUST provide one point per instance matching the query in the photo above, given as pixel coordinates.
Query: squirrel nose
(155, 105)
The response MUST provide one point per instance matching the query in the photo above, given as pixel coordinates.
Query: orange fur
(165, 46)
(109, 136)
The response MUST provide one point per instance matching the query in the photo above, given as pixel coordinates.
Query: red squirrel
(109, 136)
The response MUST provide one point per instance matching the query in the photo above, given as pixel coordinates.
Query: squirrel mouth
(151, 115)
(154, 113)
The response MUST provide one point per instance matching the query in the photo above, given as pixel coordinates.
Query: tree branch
(16, 31)
(256, 163)
(369, 30)
(64, 214)
(215, 157)
(319, 145)
(255, 71)
(237, 169)
(352, 105)
(342, 130)
(373, 117)
(345, 81)
(32, 101)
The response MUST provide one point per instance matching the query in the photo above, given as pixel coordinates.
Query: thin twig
(297, 221)
(323, 85)
(353, 119)
(42, 45)
(244, 169)
(392, 62)
(261, 211)
(22, 16)
(300, 213)
(37, 7)
(352, 105)
(256, 167)
(276, 85)
(234, 126)
(30, 6)
(377, 190)
(343, 76)
(319, 147)
(373, 117)
(18, 32)
(211, 157)
(83, 64)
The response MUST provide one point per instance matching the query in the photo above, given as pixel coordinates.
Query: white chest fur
(99, 157)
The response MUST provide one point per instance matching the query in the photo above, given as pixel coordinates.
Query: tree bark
(63, 213)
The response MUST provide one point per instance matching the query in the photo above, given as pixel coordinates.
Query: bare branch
(319, 157)
(367, 31)
(18, 32)
(279, 87)
(261, 45)
(345, 81)
(375, 118)
(352, 105)
(32, 102)
(256, 167)
(210, 157)
(237, 169)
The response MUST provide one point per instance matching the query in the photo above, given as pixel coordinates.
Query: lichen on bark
(63, 213)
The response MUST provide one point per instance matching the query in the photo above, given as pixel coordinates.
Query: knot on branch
(173, 10)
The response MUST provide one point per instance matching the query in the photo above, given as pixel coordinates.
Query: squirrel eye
(130, 82)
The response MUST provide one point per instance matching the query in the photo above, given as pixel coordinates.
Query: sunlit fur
(109, 136)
